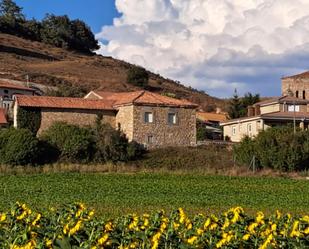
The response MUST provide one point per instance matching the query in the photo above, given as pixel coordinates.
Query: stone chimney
(251, 111)
(257, 110)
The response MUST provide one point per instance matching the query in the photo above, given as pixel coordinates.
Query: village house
(211, 122)
(8, 90)
(291, 108)
(145, 117)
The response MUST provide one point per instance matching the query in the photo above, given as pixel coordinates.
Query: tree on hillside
(56, 30)
(62, 32)
(235, 106)
(10, 9)
(138, 76)
(82, 38)
(11, 17)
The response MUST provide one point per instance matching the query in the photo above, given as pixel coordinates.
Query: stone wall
(163, 134)
(74, 116)
(124, 120)
(295, 85)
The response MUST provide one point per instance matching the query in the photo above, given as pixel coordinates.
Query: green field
(115, 194)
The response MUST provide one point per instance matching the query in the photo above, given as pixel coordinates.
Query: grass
(115, 194)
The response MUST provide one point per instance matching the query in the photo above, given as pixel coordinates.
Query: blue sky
(96, 13)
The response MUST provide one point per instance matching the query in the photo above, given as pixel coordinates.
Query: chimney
(251, 111)
(257, 110)
(218, 110)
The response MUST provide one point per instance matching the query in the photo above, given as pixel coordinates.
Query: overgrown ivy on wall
(29, 118)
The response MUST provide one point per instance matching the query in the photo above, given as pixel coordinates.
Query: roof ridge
(142, 92)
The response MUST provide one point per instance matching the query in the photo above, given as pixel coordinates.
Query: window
(149, 139)
(304, 94)
(234, 130)
(296, 94)
(6, 91)
(172, 118)
(148, 117)
(292, 108)
(249, 128)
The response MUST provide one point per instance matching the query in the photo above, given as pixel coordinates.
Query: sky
(211, 45)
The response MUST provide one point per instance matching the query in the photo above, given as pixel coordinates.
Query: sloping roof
(3, 120)
(60, 102)
(143, 98)
(298, 76)
(4, 84)
(208, 116)
(282, 99)
(287, 115)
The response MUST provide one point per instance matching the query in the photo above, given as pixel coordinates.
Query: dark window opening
(296, 94)
(304, 94)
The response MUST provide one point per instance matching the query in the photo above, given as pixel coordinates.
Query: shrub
(75, 144)
(277, 148)
(188, 158)
(112, 145)
(137, 76)
(18, 147)
(30, 119)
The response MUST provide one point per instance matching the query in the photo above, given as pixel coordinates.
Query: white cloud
(213, 45)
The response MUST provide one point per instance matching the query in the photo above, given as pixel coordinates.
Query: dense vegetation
(58, 31)
(113, 194)
(276, 148)
(75, 226)
(238, 106)
(66, 143)
(137, 76)
(200, 158)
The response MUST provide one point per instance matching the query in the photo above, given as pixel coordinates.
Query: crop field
(115, 194)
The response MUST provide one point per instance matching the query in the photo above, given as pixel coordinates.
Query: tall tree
(11, 17)
(235, 106)
(9, 8)
(248, 100)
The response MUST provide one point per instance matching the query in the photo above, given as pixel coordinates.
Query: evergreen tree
(235, 106)
(10, 9)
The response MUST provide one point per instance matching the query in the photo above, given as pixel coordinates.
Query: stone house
(262, 115)
(8, 90)
(296, 85)
(147, 118)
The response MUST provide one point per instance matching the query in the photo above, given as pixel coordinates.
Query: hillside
(52, 66)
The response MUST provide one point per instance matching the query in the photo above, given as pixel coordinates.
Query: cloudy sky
(212, 45)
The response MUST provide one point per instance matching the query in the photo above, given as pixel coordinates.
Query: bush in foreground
(276, 148)
(75, 144)
(18, 147)
(76, 227)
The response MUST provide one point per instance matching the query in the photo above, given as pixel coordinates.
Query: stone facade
(72, 116)
(160, 133)
(124, 120)
(299, 87)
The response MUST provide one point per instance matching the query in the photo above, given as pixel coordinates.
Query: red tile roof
(8, 85)
(3, 117)
(208, 116)
(143, 98)
(66, 103)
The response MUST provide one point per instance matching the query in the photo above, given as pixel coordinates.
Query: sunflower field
(75, 226)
